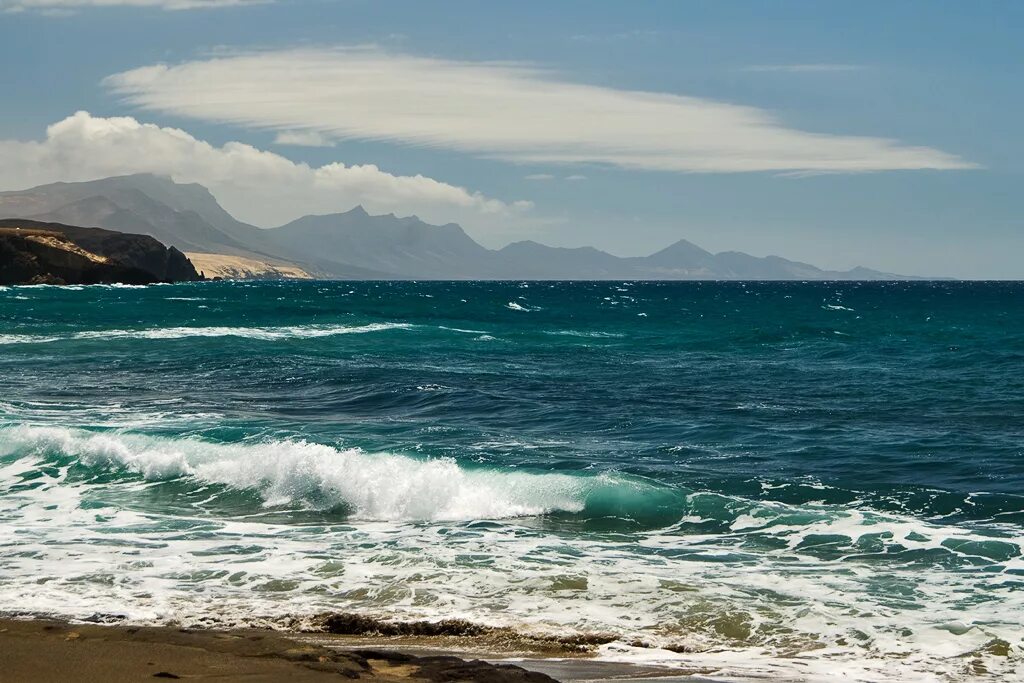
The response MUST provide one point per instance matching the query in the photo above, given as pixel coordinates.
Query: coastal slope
(32, 252)
(228, 267)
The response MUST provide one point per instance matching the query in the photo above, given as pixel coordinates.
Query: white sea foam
(26, 339)
(459, 329)
(261, 333)
(258, 333)
(78, 288)
(77, 542)
(516, 306)
(66, 288)
(581, 333)
(372, 486)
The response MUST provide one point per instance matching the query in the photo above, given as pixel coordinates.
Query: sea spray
(367, 486)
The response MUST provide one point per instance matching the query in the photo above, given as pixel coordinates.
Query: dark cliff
(32, 252)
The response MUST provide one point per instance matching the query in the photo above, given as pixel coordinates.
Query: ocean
(805, 480)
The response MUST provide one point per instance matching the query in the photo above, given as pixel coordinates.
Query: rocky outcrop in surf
(32, 252)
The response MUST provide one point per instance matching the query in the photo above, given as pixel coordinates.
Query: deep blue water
(834, 469)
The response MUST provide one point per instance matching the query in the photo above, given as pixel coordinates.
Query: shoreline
(51, 650)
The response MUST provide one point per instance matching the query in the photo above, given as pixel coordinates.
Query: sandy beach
(43, 651)
(54, 651)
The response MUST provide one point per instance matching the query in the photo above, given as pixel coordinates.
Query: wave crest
(259, 333)
(369, 486)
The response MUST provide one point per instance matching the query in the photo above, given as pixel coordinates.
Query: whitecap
(260, 333)
(579, 333)
(26, 339)
(459, 329)
(256, 333)
(372, 486)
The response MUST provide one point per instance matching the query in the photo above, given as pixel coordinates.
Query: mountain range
(357, 245)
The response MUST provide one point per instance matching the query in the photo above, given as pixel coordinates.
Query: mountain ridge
(357, 245)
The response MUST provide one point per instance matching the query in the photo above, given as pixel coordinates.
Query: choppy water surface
(803, 479)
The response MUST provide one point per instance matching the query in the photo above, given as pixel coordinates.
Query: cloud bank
(257, 186)
(512, 112)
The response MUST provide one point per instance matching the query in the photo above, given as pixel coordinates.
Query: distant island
(356, 245)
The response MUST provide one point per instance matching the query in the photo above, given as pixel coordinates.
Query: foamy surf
(317, 476)
(256, 333)
(79, 506)
(727, 488)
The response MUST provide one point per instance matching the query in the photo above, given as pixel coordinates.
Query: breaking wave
(368, 486)
(731, 586)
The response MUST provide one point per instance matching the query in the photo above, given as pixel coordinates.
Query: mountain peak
(683, 246)
(681, 254)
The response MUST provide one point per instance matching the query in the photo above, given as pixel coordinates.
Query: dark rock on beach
(52, 253)
(446, 668)
(349, 624)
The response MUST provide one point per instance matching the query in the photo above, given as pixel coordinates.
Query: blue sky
(871, 133)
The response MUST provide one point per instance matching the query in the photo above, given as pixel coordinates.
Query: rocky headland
(33, 252)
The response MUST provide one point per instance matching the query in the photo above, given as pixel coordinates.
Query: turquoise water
(789, 478)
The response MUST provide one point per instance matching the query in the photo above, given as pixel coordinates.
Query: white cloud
(499, 110)
(255, 185)
(303, 138)
(575, 177)
(803, 68)
(63, 6)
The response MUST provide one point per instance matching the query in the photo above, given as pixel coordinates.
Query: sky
(879, 134)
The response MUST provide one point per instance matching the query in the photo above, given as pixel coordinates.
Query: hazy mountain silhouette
(142, 204)
(355, 244)
(386, 246)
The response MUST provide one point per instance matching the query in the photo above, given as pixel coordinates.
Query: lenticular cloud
(513, 112)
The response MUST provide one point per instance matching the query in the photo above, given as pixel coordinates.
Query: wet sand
(51, 651)
(566, 665)
(42, 651)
